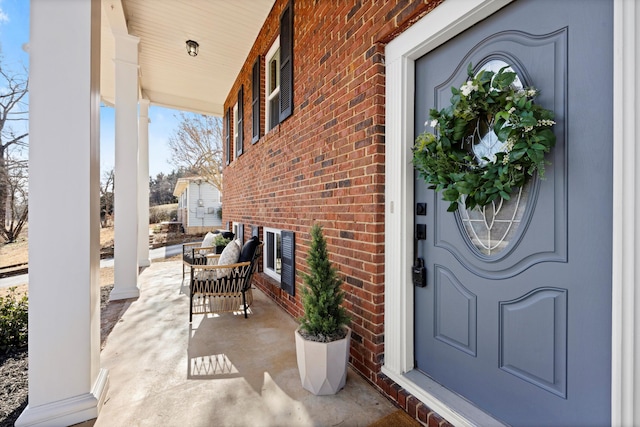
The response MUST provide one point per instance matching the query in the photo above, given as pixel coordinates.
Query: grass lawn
(18, 253)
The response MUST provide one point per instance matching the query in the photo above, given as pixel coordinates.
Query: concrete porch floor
(222, 370)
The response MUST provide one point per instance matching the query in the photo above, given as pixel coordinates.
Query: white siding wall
(203, 214)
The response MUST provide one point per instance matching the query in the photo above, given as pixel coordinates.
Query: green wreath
(487, 108)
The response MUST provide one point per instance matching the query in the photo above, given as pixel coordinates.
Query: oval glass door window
(491, 228)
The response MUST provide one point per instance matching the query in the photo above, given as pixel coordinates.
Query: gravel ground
(14, 383)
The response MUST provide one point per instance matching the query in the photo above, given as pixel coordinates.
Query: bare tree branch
(106, 197)
(197, 145)
(15, 179)
(13, 170)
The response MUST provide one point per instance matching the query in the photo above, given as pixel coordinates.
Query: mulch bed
(14, 383)
(14, 366)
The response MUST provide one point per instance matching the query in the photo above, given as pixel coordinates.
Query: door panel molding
(455, 314)
(551, 49)
(533, 339)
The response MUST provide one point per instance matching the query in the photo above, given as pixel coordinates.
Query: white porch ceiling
(169, 77)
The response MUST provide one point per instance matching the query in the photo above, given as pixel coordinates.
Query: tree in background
(16, 183)
(196, 146)
(13, 168)
(106, 198)
(161, 188)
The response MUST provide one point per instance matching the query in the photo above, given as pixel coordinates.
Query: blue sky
(14, 35)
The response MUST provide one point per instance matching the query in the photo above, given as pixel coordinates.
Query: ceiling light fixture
(192, 48)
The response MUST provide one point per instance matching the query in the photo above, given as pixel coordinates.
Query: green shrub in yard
(159, 213)
(13, 321)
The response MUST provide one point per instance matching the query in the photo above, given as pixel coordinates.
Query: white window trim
(443, 23)
(269, 272)
(236, 235)
(267, 75)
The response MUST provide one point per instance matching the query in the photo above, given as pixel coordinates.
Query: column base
(119, 293)
(144, 262)
(69, 411)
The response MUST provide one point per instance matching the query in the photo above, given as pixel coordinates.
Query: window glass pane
(491, 228)
(274, 71)
(270, 250)
(274, 107)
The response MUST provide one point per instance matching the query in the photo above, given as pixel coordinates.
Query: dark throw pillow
(249, 249)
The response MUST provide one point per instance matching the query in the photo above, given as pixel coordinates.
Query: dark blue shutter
(286, 62)
(227, 137)
(288, 273)
(255, 101)
(240, 120)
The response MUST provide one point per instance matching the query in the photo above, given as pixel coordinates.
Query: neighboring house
(322, 101)
(198, 205)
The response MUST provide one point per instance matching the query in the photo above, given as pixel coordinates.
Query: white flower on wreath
(546, 122)
(467, 88)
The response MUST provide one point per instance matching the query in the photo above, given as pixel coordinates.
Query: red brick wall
(325, 163)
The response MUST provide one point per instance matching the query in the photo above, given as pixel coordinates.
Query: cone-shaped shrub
(324, 316)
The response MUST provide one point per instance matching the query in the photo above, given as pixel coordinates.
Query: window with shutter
(286, 62)
(239, 123)
(279, 257)
(272, 258)
(255, 101)
(227, 136)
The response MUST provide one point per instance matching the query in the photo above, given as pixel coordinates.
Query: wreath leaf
(487, 102)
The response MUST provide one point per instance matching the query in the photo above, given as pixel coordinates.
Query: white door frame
(443, 23)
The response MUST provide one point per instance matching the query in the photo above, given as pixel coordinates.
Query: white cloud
(3, 16)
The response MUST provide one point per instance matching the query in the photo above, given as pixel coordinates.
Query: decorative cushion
(249, 249)
(205, 274)
(229, 255)
(208, 240)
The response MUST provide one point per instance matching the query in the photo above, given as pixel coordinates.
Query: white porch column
(126, 169)
(66, 384)
(143, 184)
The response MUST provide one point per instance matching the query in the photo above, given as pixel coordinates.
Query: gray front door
(516, 314)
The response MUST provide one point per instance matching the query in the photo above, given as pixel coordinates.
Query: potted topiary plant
(220, 242)
(323, 338)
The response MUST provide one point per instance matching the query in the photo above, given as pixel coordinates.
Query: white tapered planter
(323, 366)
